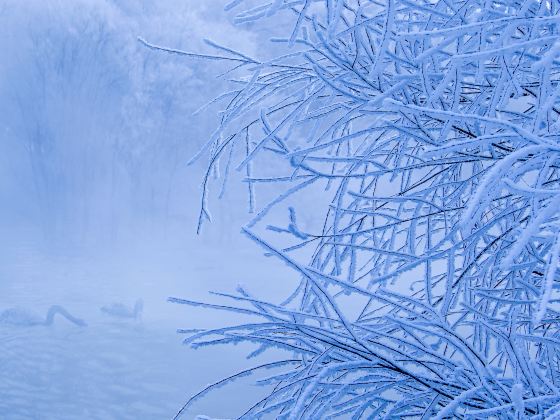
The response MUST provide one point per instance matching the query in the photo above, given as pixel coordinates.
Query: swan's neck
(138, 308)
(56, 309)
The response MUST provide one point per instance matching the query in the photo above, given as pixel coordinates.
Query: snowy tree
(420, 141)
(60, 88)
(93, 125)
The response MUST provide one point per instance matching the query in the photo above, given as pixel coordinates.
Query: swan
(118, 310)
(23, 318)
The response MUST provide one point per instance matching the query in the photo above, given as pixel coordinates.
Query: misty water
(116, 368)
(99, 208)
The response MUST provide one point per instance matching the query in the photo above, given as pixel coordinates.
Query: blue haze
(377, 186)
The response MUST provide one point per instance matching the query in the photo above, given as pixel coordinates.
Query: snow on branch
(429, 270)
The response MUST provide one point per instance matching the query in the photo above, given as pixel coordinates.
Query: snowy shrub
(420, 138)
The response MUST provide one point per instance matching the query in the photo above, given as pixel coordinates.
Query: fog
(99, 208)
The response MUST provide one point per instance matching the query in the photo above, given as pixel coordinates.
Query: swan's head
(80, 322)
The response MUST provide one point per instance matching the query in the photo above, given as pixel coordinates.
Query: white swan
(24, 318)
(118, 310)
